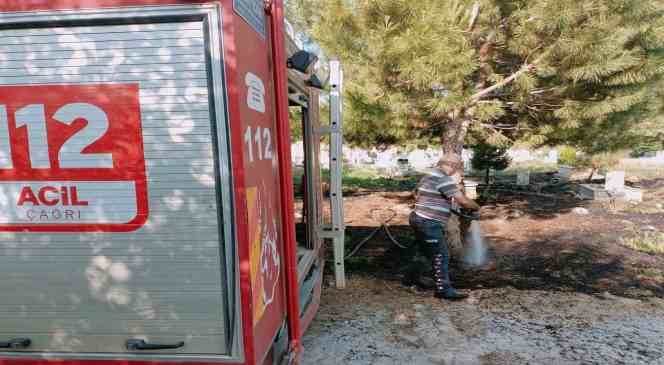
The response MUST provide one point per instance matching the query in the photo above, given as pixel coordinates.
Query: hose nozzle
(466, 214)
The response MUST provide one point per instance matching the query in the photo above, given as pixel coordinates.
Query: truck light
(302, 61)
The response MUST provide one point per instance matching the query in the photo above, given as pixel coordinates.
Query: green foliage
(536, 167)
(487, 157)
(650, 242)
(567, 156)
(605, 160)
(583, 73)
(648, 146)
(361, 180)
(354, 180)
(295, 122)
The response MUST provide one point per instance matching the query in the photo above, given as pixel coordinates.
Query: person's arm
(450, 189)
(466, 202)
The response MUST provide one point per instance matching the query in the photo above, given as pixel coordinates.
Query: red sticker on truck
(71, 158)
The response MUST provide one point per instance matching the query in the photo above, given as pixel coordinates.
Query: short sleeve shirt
(434, 196)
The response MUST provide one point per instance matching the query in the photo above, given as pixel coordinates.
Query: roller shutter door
(90, 292)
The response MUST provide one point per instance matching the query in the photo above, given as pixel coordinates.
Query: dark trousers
(430, 240)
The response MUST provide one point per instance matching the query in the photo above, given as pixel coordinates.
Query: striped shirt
(434, 196)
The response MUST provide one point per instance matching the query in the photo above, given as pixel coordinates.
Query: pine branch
(497, 127)
(527, 67)
(473, 17)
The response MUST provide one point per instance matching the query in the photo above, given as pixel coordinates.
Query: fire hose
(384, 226)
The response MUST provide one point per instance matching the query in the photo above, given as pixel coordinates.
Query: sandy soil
(559, 289)
(377, 322)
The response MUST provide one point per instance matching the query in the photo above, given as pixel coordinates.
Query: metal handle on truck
(17, 343)
(134, 345)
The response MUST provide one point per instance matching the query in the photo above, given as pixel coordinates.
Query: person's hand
(467, 203)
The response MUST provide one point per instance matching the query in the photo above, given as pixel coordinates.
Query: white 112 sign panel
(71, 158)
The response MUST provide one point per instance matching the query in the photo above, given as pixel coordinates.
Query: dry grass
(642, 208)
(532, 167)
(643, 172)
(651, 273)
(650, 242)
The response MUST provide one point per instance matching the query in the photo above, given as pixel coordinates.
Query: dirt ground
(559, 288)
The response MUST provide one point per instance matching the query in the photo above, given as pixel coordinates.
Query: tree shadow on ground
(551, 263)
(515, 204)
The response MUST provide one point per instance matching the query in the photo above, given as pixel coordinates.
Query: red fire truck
(147, 211)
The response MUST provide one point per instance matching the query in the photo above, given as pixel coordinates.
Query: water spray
(475, 249)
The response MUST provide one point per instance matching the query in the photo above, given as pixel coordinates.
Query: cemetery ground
(563, 285)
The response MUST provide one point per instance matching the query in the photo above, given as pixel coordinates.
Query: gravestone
(467, 157)
(564, 173)
(471, 189)
(422, 159)
(520, 155)
(633, 195)
(523, 178)
(387, 159)
(297, 152)
(403, 167)
(592, 192)
(615, 182)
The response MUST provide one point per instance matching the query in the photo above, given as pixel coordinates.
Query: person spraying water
(475, 249)
(436, 193)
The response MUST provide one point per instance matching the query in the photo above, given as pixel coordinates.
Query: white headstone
(615, 181)
(421, 159)
(520, 155)
(467, 157)
(660, 156)
(297, 152)
(471, 188)
(324, 155)
(633, 195)
(523, 178)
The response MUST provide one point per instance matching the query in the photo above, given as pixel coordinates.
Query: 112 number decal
(262, 141)
(70, 155)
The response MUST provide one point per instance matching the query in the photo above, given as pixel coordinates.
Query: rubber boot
(421, 281)
(415, 274)
(444, 289)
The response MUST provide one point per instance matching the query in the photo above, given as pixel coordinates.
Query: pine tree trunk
(454, 136)
(453, 139)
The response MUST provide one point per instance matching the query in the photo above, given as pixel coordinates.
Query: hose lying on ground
(383, 226)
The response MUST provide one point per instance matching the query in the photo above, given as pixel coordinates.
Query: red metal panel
(234, 92)
(266, 239)
(277, 26)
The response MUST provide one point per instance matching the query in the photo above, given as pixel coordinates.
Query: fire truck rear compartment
(88, 294)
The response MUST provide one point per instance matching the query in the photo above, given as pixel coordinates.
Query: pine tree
(487, 157)
(586, 73)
